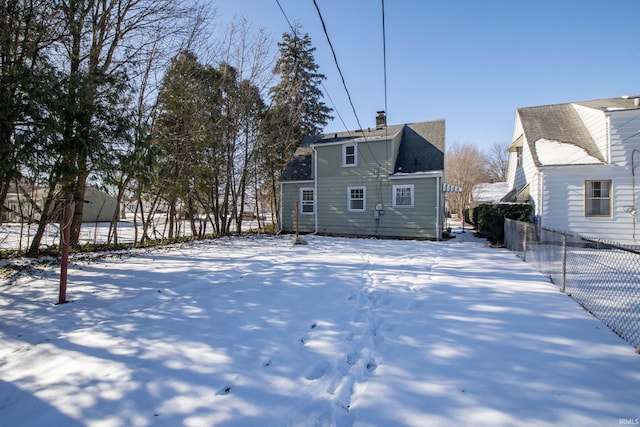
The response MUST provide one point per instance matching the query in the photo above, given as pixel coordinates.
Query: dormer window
(349, 155)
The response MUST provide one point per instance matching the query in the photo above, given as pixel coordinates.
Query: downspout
(315, 189)
(438, 225)
(281, 212)
(608, 136)
(539, 199)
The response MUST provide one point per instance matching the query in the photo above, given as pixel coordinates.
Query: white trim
(344, 155)
(364, 198)
(355, 140)
(305, 181)
(394, 196)
(432, 174)
(609, 198)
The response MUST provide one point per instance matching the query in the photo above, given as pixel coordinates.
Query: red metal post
(64, 261)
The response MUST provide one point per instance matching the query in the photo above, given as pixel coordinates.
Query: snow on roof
(559, 153)
(490, 192)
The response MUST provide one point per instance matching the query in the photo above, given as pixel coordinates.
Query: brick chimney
(381, 120)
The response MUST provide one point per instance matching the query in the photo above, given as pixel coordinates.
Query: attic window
(349, 155)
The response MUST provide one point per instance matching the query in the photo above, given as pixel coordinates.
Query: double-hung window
(349, 155)
(403, 196)
(357, 199)
(597, 200)
(307, 205)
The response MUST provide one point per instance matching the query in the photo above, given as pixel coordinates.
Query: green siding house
(384, 182)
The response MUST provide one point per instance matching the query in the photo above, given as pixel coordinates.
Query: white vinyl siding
(349, 155)
(307, 201)
(356, 199)
(597, 198)
(597, 125)
(559, 193)
(403, 196)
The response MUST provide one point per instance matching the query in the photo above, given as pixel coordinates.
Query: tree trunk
(79, 198)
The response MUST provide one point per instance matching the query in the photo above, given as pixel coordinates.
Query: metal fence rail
(602, 277)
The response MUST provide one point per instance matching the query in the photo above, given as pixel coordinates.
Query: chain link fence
(602, 277)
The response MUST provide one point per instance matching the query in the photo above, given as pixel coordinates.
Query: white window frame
(394, 197)
(345, 164)
(350, 199)
(305, 202)
(588, 188)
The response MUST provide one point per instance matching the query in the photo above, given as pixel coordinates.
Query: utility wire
(335, 59)
(384, 58)
(341, 76)
(344, 84)
(322, 84)
(285, 16)
(334, 108)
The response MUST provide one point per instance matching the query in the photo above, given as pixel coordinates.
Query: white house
(579, 164)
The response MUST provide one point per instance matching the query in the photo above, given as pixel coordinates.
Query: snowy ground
(14, 236)
(340, 332)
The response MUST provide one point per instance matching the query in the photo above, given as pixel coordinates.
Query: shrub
(489, 218)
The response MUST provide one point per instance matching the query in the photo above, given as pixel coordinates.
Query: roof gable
(421, 147)
(299, 168)
(561, 123)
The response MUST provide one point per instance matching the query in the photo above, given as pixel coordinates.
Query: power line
(335, 59)
(293, 30)
(344, 84)
(334, 107)
(384, 58)
(286, 17)
(341, 76)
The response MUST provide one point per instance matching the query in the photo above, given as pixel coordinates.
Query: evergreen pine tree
(298, 91)
(297, 109)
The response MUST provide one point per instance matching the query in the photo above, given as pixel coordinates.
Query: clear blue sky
(470, 62)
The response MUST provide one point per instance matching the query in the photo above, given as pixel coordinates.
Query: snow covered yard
(340, 332)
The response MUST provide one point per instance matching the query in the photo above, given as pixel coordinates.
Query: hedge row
(488, 219)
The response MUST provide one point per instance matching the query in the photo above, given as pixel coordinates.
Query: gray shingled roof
(299, 168)
(561, 122)
(558, 122)
(421, 148)
(610, 103)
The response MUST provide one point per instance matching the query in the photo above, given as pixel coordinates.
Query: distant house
(578, 164)
(386, 181)
(487, 192)
(24, 203)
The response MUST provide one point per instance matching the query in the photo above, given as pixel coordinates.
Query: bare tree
(250, 52)
(498, 162)
(104, 38)
(135, 161)
(465, 167)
